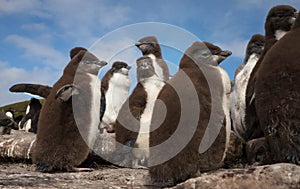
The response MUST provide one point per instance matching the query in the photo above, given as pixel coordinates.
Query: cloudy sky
(36, 35)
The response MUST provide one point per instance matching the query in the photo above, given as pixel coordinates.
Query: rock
(276, 176)
(18, 145)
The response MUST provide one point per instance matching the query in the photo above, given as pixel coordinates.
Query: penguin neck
(156, 54)
(120, 80)
(279, 34)
(251, 58)
(153, 80)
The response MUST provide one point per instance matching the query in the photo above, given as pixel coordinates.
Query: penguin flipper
(35, 89)
(103, 105)
(66, 91)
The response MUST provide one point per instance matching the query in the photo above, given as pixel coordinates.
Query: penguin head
(120, 67)
(6, 123)
(204, 53)
(217, 53)
(10, 113)
(149, 45)
(90, 64)
(256, 44)
(280, 18)
(145, 68)
(75, 51)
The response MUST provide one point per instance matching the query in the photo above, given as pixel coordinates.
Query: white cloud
(47, 55)
(34, 27)
(13, 75)
(17, 6)
(78, 17)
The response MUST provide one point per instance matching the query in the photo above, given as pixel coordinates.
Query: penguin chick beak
(102, 63)
(296, 14)
(128, 67)
(137, 44)
(125, 70)
(225, 53)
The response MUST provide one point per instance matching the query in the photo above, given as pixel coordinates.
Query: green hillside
(19, 107)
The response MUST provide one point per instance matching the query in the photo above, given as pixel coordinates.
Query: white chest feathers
(27, 124)
(279, 34)
(158, 69)
(152, 86)
(226, 105)
(115, 96)
(94, 113)
(238, 96)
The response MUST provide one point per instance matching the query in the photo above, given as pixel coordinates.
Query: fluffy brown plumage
(59, 144)
(277, 103)
(182, 97)
(279, 18)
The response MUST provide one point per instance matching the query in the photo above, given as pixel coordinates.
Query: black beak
(137, 44)
(104, 63)
(225, 53)
(128, 67)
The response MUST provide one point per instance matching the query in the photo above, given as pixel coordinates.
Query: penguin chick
(115, 87)
(197, 108)
(69, 118)
(150, 47)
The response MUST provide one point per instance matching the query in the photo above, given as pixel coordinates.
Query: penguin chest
(88, 119)
(152, 89)
(226, 104)
(95, 106)
(117, 93)
(158, 69)
(238, 103)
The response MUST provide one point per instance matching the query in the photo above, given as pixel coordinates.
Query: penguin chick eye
(205, 54)
(280, 16)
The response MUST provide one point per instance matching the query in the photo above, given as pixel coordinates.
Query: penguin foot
(293, 157)
(139, 167)
(40, 167)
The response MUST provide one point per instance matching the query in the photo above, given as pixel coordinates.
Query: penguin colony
(263, 102)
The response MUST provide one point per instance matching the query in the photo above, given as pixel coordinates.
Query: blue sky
(36, 35)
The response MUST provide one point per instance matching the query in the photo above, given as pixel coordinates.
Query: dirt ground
(20, 175)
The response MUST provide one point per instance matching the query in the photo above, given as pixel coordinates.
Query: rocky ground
(276, 176)
(19, 175)
(237, 174)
